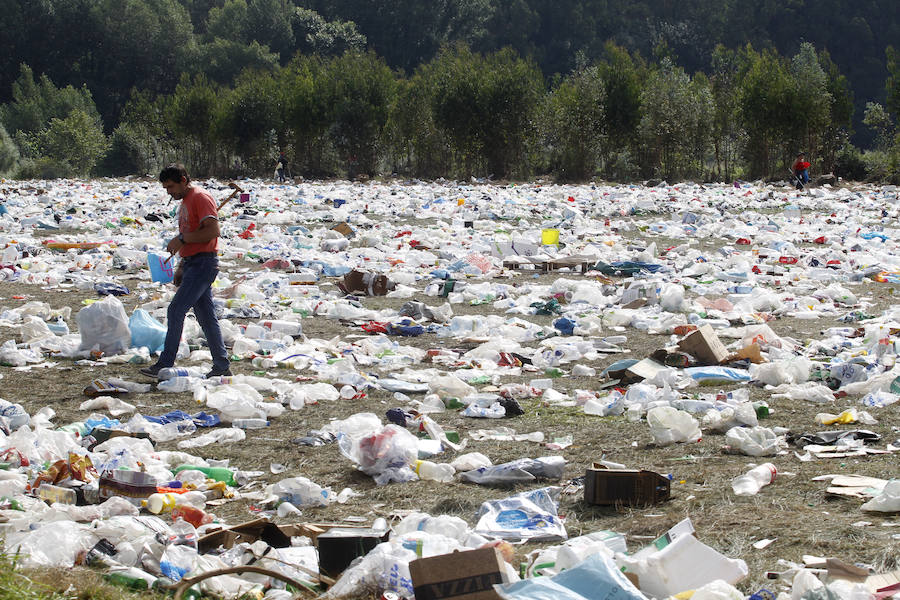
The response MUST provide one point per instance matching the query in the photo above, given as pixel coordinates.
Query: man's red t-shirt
(800, 165)
(196, 206)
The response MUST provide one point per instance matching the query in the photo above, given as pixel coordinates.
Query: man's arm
(208, 230)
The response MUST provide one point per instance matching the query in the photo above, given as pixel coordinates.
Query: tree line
(467, 114)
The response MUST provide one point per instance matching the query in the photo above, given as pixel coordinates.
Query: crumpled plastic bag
(386, 455)
(754, 441)
(146, 331)
(104, 324)
(809, 391)
(597, 577)
(887, 501)
(526, 516)
(517, 471)
(669, 425)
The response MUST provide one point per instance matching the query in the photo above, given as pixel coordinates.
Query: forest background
(514, 89)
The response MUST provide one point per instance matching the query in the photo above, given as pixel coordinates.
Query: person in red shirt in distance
(801, 171)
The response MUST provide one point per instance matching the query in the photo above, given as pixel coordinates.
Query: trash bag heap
(526, 361)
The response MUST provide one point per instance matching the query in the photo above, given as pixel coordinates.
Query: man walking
(196, 242)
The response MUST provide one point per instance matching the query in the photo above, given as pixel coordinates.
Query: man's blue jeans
(198, 274)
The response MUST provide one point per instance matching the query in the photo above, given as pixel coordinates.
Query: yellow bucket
(550, 237)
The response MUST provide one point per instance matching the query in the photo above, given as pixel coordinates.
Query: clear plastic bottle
(251, 423)
(426, 469)
(171, 372)
(178, 384)
(753, 480)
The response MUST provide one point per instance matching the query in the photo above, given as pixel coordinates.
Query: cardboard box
(340, 545)
(704, 345)
(629, 487)
(468, 575)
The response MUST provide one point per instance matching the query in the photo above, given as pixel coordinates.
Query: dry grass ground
(794, 510)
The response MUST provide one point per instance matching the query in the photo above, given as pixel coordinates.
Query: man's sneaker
(151, 371)
(226, 372)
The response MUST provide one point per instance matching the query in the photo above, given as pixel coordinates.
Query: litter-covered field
(597, 390)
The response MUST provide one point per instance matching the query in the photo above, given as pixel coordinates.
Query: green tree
(879, 120)
(839, 127)
(314, 35)
(767, 105)
(191, 115)
(728, 135)
(485, 105)
(419, 147)
(35, 103)
(307, 113)
(9, 154)
(221, 60)
(622, 76)
(676, 120)
(892, 84)
(360, 90)
(810, 112)
(228, 22)
(572, 124)
(252, 113)
(76, 140)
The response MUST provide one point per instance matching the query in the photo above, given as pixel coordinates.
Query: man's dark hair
(174, 172)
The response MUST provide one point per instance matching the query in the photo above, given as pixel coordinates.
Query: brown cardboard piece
(468, 575)
(750, 352)
(704, 345)
(629, 487)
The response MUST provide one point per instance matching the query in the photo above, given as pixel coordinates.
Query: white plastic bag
(669, 425)
(386, 455)
(887, 501)
(754, 441)
(104, 324)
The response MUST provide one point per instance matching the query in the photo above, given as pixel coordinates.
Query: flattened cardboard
(704, 345)
(468, 575)
(645, 369)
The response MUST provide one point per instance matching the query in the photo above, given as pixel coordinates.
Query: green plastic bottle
(229, 476)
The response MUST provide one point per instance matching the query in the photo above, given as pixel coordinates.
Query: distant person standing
(196, 242)
(800, 169)
(281, 167)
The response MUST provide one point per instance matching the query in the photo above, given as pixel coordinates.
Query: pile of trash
(564, 278)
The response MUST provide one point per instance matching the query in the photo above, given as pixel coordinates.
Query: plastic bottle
(292, 328)
(160, 503)
(426, 469)
(251, 423)
(753, 480)
(170, 372)
(131, 577)
(177, 384)
(224, 474)
(264, 362)
(192, 515)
